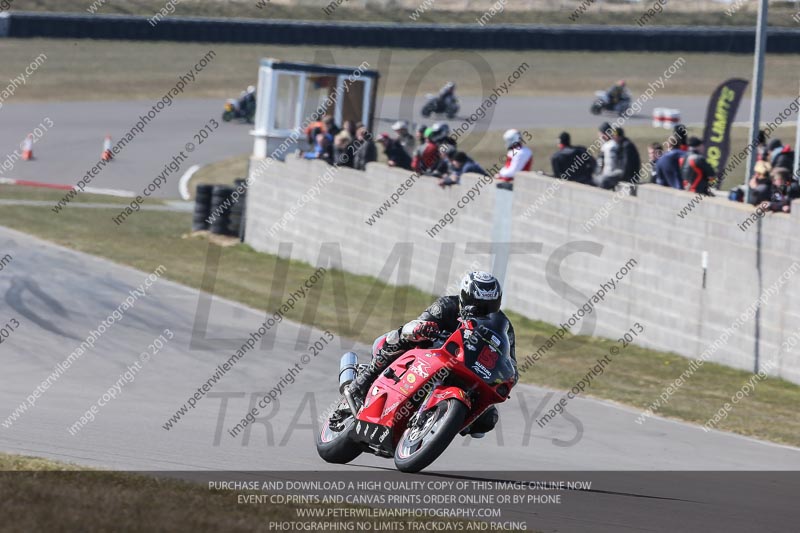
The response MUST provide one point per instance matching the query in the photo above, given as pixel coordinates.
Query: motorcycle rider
(247, 99)
(447, 95)
(480, 296)
(617, 93)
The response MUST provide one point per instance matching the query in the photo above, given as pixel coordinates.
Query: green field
(113, 70)
(246, 276)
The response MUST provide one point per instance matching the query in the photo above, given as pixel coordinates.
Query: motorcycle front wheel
(227, 116)
(333, 443)
(596, 108)
(424, 443)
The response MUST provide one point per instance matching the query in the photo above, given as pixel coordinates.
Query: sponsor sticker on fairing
(482, 371)
(421, 368)
(389, 409)
(487, 358)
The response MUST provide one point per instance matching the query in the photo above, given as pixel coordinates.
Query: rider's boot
(391, 350)
(483, 424)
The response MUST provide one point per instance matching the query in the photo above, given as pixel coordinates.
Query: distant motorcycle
(434, 104)
(233, 110)
(603, 103)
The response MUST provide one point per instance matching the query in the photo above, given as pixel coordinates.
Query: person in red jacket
(426, 160)
(519, 158)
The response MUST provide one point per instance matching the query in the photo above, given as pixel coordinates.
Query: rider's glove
(418, 330)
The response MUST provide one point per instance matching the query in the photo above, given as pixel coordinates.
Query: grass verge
(361, 307)
(146, 70)
(19, 192)
(42, 495)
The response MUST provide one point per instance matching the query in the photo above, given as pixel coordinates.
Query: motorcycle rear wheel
(420, 446)
(335, 446)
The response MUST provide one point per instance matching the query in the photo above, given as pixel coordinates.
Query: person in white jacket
(519, 158)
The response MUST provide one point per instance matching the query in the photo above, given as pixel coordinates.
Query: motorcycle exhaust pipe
(347, 370)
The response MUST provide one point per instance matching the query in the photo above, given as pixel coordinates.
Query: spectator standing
(761, 146)
(609, 170)
(350, 127)
(427, 159)
(405, 139)
(322, 149)
(779, 200)
(572, 163)
(629, 162)
(654, 153)
(668, 166)
(698, 176)
(330, 126)
(364, 149)
(314, 129)
(420, 135)
(446, 152)
(680, 134)
(519, 158)
(396, 155)
(779, 155)
(460, 164)
(760, 184)
(792, 187)
(342, 149)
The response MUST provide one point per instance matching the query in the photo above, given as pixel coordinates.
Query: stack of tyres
(221, 210)
(202, 207)
(238, 210)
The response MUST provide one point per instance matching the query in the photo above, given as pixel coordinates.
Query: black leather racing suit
(444, 312)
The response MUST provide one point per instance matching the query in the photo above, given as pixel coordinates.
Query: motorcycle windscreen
(487, 349)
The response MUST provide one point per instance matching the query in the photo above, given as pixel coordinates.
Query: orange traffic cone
(27, 148)
(107, 155)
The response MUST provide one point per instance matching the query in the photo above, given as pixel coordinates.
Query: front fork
(416, 419)
(351, 403)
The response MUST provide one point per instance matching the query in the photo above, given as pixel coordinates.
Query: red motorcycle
(417, 406)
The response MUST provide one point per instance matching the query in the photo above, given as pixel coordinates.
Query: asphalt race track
(58, 296)
(74, 143)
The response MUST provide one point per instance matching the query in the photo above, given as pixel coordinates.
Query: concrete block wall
(339, 212)
(663, 291)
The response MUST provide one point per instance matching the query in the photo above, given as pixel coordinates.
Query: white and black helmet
(439, 132)
(480, 294)
(512, 138)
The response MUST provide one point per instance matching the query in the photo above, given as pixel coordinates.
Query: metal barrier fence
(382, 35)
